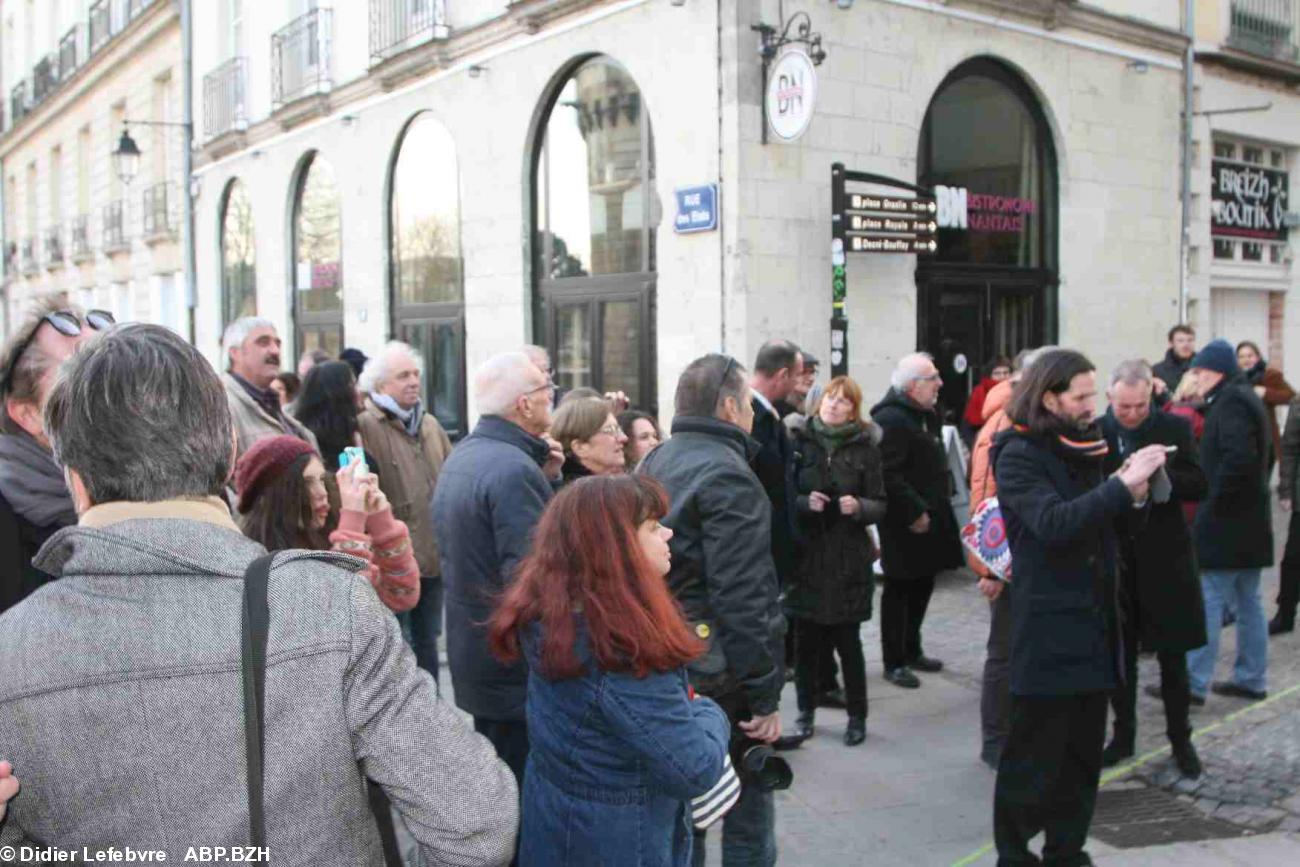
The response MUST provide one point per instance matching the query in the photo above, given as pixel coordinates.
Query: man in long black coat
(1060, 512)
(1160, 591)
(919, 536)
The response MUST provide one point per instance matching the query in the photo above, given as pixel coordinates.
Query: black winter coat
(1160, 581)
(490, 495)
(917, 481)
(1060, 515)
(774, 466)
(722, 571)
(1171, 369)
(1234, 524)
(20, 539)
(833, 581)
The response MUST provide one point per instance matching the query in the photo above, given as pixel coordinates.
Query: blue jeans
(1234, 589)
(749, 829)
(422, 625)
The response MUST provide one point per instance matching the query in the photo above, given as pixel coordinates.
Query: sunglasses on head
(66, 323)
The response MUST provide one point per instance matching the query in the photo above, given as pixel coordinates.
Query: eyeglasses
(548, 386)
(612, 430)
(722, 380)
(66, 323)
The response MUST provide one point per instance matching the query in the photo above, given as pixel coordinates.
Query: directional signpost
(872, 223)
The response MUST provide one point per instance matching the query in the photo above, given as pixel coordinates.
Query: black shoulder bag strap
(255, 623)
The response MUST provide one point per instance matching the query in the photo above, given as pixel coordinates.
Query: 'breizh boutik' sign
(1248, 201)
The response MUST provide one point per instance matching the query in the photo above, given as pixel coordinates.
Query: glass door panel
(620, 348)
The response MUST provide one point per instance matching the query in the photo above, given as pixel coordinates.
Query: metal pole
(1185, 245)
(187, 167)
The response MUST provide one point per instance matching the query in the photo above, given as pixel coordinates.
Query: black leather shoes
(856, 733)
(1116, 751)
(1189, 764)
(902, 676)
(926, 664)
(1278, 626)
(1228, 688)
(803, 729)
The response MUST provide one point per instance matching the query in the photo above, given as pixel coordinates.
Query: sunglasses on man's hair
(66, 323)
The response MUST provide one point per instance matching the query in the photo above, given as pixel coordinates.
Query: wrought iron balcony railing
(80, 235)
(1269, 28)
(72, 51)
(400, 25)
(27, 252)
(224, 103)
(45, 78)
(20, 103)
(107, 18)
(115, 227)
(54, 247)
(300, 57)
(156, 207)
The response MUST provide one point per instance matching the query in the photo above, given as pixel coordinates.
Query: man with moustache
(1060, 511)
(252, 350)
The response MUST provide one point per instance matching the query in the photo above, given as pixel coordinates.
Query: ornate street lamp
(126, 159)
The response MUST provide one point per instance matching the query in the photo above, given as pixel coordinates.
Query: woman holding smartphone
(618, 742)
(284, 503)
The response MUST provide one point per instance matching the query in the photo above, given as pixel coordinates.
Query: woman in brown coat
(1269, 384)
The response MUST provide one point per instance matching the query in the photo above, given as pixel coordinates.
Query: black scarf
(1128, 439)
(1074, 444)
(1256, 374)
(33, 484)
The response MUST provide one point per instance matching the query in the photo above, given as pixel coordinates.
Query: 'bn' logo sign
(791, 95)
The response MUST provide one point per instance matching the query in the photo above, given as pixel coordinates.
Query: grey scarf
(410, 418)
(33, 484)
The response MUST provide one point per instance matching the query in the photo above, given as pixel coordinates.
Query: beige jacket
(253, 423)
(408, 473)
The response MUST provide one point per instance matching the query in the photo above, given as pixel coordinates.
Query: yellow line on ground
(1124, 770)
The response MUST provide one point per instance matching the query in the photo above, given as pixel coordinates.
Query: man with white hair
(919, 536)
(410, 447)
(490, 495)
(252, 351)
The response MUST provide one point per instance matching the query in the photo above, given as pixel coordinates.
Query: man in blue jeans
(1234, 527)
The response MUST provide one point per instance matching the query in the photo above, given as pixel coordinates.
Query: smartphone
(355, 457)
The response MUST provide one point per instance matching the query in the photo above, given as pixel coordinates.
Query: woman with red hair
(618, 742)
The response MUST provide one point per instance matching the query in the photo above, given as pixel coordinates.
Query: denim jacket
(613, 761)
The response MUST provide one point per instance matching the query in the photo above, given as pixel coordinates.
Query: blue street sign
(697, 209)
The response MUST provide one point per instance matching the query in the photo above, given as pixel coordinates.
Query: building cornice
(150, 25)
(1265, 70)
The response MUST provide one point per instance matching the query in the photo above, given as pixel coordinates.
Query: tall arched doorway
(990, 290)
(593, 241)
(317, 277)
(426, 277)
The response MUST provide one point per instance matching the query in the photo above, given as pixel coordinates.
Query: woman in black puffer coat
(841, 490)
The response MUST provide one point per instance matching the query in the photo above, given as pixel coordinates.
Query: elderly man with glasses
(490, 494)
(34, 500)
(919, 536)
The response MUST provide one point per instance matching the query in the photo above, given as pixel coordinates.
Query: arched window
(238, 255)
(593, 242)
(990, 290)
(426, 274)
(317, 277)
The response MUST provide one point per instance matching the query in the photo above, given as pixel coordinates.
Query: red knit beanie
(263, 463)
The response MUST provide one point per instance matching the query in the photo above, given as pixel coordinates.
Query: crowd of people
(623, 604)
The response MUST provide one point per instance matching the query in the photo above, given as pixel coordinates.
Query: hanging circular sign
(791, 94)
(959, 363)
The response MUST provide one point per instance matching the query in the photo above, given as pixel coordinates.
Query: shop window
(317, 277)
(593, 241)
(1225, 150)
(1252, 252)
(238, 255)
(426, 269)
(1251, 154)
(1224, 249)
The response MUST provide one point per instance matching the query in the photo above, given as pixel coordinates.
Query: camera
(759, 765)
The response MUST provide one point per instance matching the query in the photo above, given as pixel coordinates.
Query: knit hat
(356, 358)
(263, 463)
(1217, 355)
